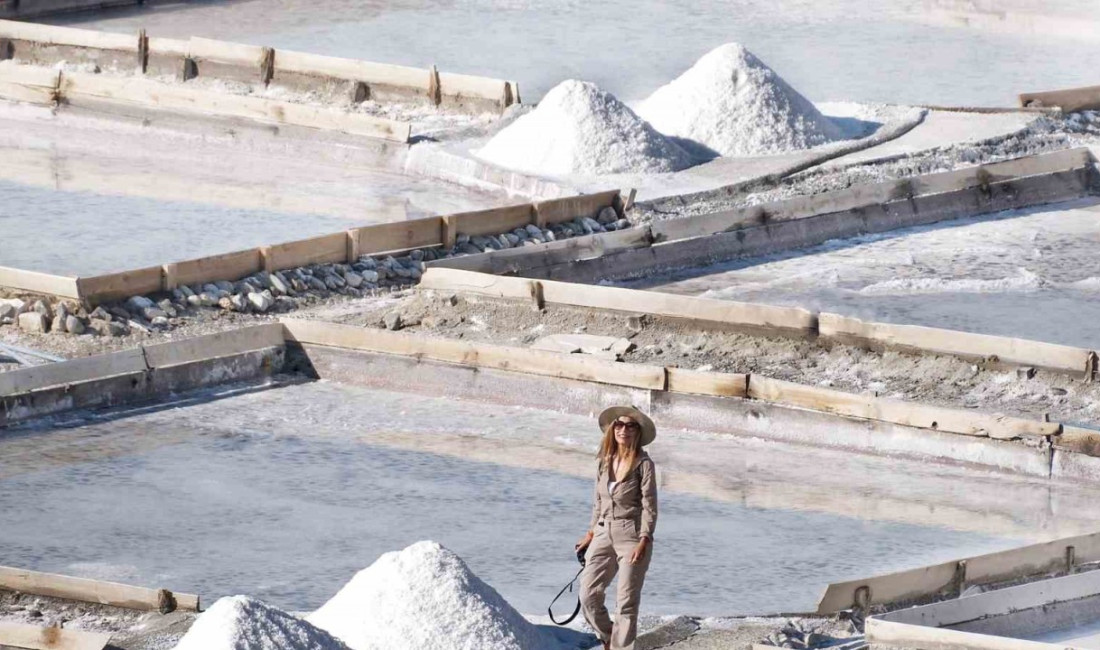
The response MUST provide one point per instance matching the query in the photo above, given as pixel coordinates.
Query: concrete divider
(95, 591)
(141, 374)
(29, 84)
(869, 194)
(915, 585)
(1069, 100)
(719, 313)
(979, 347)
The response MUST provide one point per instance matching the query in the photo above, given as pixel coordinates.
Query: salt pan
(243, 623)
(735, 105)
(425, 598)
(579, 129)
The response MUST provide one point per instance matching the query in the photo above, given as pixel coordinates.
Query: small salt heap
(579, 129)
(243, 623)
(425, 598)
(735, 105)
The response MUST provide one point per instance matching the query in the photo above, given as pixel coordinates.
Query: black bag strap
(576, 610)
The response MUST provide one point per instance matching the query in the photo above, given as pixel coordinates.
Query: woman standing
(620, 535)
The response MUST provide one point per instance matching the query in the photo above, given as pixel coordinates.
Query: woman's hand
(639, 550)
(585, 541)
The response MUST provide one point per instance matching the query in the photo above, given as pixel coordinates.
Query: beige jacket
(634, 498)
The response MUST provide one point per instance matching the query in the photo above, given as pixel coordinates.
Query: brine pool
(1030, 274)
(908, 51)
(285, 493)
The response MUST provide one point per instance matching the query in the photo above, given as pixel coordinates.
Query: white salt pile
(579, 129)
(243, 623)
(425, 598)
(734, 104)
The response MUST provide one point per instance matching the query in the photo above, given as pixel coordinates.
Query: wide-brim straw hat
(649, 430)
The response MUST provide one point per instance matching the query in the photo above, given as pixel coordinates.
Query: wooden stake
(450, 232)
(189, 69)
(506, 99)
(537, 300)
(143, 52)
(435, 90)
(7, 49)
(267, 65)
(1071, 559)
(353, 245)
(360, 92)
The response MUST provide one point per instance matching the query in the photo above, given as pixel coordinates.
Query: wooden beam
(34, 637)
(553, 211)
(326, 249)
(92, 591)
(1000, 349)
(70, 372)
(35, 282)
(479, 355)
(31, 84)
(682, 380)
(889, 633)
(172, 97)
(115, 286)
(529, 260)
(791, 320)
(351, 69)
(226, 266)
(400, 235)
(493, 221)
(221, 344)
(921, 416)
(1070, 100)
(205, 49)
(71, 36)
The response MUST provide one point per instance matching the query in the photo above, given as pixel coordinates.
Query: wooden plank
(915, 584)
(479, 355)
(227, 266)
(34, 637)
(528, 260)
(31, 84)
(52, 35)
(682, 380)
(1070, 100)
(724, 312)
(115, 286)
(921, 416)
(221, 344)
(351, 69)
(1079, 440)
(869, 194)
(493, 221)
(160, 46)
(888, 633)
(1051, 356)
(464, 85)
(326, 249)
(70, 372)
(174, 97)
(83, 589)
(400, 235)
(35, 282)
(555, 211)
(224, 52)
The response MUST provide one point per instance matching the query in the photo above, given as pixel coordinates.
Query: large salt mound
(425, 598)
(243, 623)
(734, 104)
(579, 129)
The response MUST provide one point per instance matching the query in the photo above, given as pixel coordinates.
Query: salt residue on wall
(735, 105)
(425, 598)
(243, 623)
(579, 129)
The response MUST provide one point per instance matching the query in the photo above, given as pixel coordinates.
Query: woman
(620, 534)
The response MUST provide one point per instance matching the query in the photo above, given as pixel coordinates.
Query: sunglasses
(631, 426)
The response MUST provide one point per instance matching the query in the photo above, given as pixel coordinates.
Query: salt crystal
(735, 105)
(425, 598)
(243, 623)
(579, 129)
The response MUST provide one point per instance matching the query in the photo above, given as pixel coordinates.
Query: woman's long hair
(609, 448)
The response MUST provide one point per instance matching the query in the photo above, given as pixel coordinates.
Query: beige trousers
(609, 554)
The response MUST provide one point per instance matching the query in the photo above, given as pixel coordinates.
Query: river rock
(392, 321)
(136, 304)
(160, 321)
(74, 325)
(7, 311)
(261, 301)
(33, 321)
(607, 215)
(353, 279)
(58, 325)
(43, 307)
(279, 285)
